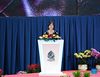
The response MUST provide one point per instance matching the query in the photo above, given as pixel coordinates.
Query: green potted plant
(83, 56)
(87, 74)
(77, 74)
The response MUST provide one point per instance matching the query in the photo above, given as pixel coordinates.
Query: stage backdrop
(19, 35)
(49, 7)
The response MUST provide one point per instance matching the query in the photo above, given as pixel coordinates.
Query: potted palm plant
(96, 54)
(83, 56)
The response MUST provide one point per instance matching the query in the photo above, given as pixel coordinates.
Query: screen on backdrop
(49, 7)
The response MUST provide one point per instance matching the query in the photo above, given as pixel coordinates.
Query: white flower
(40, 37)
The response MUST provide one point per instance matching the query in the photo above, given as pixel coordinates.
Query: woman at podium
(50, 33)
(50, 50)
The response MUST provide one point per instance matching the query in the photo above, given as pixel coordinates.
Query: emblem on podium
(51, 56)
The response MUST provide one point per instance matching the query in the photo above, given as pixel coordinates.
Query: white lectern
(51, 57)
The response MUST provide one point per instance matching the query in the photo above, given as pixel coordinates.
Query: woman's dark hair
(50, 23)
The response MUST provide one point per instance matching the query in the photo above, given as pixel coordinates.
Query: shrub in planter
(87, 74)
(77, 74)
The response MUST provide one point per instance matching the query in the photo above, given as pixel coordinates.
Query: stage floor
(69, 73)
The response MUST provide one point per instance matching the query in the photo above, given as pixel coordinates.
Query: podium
(51, 57)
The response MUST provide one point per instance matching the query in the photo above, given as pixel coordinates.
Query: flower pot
(82, 67)
(93, 70)
(98, 67)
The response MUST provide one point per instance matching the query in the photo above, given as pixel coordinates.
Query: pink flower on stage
(1, 72)
(33, 68)
(95, 53)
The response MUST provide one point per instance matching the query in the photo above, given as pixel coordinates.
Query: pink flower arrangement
(1, 72)
(33, 68)
(96, 54)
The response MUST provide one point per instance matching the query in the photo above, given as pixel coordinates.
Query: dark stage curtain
(19, 35)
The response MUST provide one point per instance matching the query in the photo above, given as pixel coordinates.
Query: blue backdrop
(18, 39)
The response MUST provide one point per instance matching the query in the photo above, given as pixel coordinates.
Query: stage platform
(69, 73)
